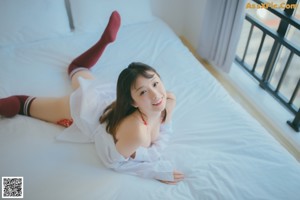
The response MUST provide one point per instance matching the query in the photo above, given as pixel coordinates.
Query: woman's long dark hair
(122, 107)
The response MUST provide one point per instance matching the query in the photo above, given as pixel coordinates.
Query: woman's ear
(134, 104)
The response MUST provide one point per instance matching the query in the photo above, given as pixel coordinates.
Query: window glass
(279, 66)
(291, 79)
(293, 35)
(253, 46)
(264, 55)
(260, 12)
(271, 21)
(297, 13)
(243, 39)
(278, 2)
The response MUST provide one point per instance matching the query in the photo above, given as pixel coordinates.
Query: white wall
(171, 11)
(192, 24)
(183, 16)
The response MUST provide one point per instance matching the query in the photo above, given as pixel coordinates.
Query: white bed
(223, 152)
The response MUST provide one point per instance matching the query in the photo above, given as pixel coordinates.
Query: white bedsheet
(223, 151)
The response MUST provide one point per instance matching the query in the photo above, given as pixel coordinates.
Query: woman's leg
(80, 66)
(19, 104)
(51, 109)
(56, 109)
(47, 109)
(90, 57)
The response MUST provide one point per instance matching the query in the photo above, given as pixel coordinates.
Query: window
(269, 50)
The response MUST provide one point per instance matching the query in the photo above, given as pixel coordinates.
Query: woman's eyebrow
(139, 88)
(153, 78)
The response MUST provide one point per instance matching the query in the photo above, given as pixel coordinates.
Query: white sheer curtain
(220, 31)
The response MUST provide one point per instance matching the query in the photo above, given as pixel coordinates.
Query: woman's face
(149, 95)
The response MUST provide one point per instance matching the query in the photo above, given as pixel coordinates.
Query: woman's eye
(143, 92)
(155, 84)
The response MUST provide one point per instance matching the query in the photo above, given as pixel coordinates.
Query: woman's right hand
(178, 176)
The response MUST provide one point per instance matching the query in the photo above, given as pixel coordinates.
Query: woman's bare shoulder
(131, 127)
(129, 135)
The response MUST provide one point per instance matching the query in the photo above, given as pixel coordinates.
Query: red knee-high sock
(13, 105)
(92, 55)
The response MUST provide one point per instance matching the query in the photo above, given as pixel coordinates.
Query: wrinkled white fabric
(87, 104)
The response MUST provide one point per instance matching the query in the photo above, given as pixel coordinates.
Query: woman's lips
(158, 103)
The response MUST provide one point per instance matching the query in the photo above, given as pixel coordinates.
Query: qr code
(12, 187)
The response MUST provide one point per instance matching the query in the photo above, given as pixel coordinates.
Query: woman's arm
(171, 103)
(161, 170)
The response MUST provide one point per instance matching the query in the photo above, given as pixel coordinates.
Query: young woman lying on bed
(138, 121)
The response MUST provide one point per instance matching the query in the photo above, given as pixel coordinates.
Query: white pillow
(24, 21)
(93, 15)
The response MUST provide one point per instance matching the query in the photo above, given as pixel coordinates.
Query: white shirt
(87, 104)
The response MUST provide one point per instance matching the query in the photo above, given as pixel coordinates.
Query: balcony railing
(279, 43)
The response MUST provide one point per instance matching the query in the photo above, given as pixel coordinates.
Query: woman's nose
(154, 94)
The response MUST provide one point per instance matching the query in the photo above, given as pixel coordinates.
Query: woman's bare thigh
(51, 109)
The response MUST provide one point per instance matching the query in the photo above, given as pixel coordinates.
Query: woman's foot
(90, 57)
(9, 106)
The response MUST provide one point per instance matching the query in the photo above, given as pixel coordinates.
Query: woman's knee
(86, 74)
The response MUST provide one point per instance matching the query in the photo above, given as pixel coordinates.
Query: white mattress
(223, 152)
